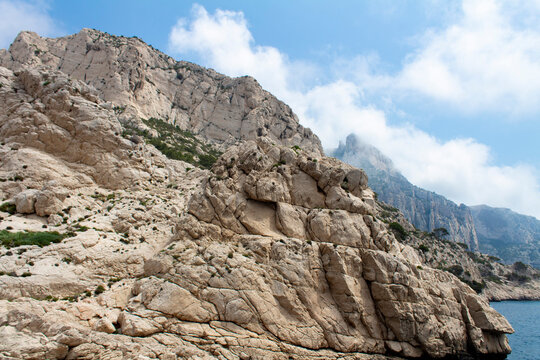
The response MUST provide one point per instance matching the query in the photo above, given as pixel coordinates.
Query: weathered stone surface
(146, 83)
(279, 252)
(344, 271)
(56, 129)
(104, 325)
(25, 201)
(48, 202)
(17, 345)
(133, 325)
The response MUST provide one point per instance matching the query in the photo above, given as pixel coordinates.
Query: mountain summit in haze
(499, 232)
(426, 210)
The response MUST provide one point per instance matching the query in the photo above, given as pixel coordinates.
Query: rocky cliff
(112, 250)
(424, 209)
(511, 236)
(142, 82)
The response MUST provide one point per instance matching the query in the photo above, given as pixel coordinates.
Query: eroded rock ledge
(278, 255)
(287, 247)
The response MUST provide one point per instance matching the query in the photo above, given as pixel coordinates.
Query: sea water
(524, 316)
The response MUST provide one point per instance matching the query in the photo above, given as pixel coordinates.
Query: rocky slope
(486, 274)
(277, 252)
(511, 236)
(144, 83)
(424, 209)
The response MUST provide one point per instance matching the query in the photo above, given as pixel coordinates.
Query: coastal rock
(276, 252)
(370, 293)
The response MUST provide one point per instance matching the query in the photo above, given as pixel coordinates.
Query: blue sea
(525, 319)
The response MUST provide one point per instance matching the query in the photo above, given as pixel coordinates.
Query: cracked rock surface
(278, 252)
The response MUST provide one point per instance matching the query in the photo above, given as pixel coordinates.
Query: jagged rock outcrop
(142, 82)
(330, 267)
(56, 129)
(279, 252)
(424, 209)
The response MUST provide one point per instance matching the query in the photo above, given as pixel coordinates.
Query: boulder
(25, 201)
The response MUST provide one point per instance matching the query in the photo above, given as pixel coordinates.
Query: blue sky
(448, 90)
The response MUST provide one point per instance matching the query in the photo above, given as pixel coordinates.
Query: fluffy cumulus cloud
(460, 168)
(16, 16)
(489, 60)
(224, 41)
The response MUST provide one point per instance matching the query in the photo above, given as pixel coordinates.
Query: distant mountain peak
(371, 157)
(496, 231)
(424, 209)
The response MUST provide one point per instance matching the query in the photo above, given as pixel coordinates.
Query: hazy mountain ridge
(507, 234)
(424, 209)
(278, 251)
(495, 231)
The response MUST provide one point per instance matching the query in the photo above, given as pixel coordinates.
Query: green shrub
(455, 269)
(398, 230)
(494, 278)
(81, 228)
(8, 207)
(477, 258)
(423, 248)
(494, 258)
(175, 143)
(99, 290)
(475, 285)
(440, 232)
(514, 276)
(14, 239)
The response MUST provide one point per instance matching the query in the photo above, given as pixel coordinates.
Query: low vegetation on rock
(175, 143)
(44, 238)
(8, 208)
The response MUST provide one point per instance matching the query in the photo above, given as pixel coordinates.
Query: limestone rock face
(324, 264)
(277, 253)
(25, 201)
(142, 82)
(55, 129)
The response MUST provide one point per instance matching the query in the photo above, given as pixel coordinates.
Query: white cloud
(16, 16)
(486, 61)
(459, 169)
(224, 41)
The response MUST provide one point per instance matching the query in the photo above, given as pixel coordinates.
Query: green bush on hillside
(398, 230)
(44, 238)
(176, 143)
(8, 207)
